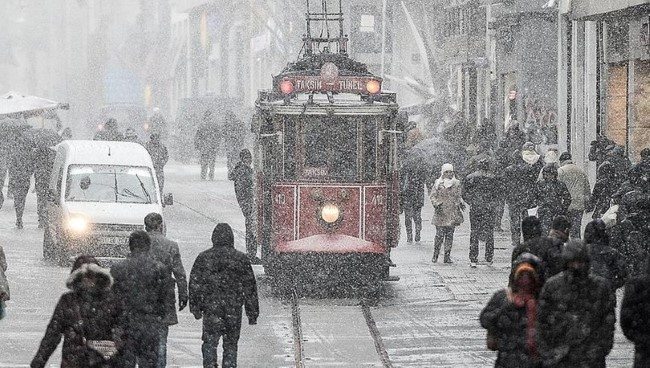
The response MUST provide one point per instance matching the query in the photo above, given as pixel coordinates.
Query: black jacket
(482, 190)
(79, 314)
(553, 198)
(222, 278)
(608, 263)
(545, 248)
(412, 188)
(159, 154)
(166, 252)
(576, 321)
(242, 176)
(142, 284)
(207, 138)
(520, 181)
(604, 189)
(635, 318)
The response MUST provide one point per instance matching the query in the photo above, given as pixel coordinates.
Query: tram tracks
(301, 359)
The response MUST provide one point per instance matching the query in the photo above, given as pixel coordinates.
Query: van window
(110, 184)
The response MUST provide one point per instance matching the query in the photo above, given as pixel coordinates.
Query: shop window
(640, 131)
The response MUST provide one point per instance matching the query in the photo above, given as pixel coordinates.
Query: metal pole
(383, 37)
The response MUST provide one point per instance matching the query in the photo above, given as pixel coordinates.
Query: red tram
(327, 145)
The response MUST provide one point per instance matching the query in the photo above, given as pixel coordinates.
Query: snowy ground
(427, 319)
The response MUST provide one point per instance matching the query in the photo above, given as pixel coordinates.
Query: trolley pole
(384, 10)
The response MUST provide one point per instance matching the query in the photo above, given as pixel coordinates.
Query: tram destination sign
(341, 84)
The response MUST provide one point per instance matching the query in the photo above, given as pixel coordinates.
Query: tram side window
(370, 151)
(290, 127)
(330, 147)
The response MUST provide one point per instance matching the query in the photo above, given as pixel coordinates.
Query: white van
(100, 192)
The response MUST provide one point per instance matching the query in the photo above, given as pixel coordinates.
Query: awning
(595, 8)
(14, 103)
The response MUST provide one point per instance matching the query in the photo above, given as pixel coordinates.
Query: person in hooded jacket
(88, 313)
(635, 318)
(142, 283)
(221, 282)
(606, 261)
(553, 197)
(578, 185)
(242, 177)
(510, 317)
(604, 190)
(110, 132)
(448, 210)
(576, 314)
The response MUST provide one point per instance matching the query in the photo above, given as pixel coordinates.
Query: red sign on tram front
(329, 80)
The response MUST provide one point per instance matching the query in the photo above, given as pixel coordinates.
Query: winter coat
(621, 163)
(159, 155)
(4, 284)
(109, 135)
(576, 321)
(472, 163)
(412, 187)
(541, 246)
(635, 318)
(577, 183)
(222, 279)
(166, 252)
(22, 164)
(446, 202)
(242, 176)
(633, 231)
(608, 263)
(207, 138)
(91, 314)
(553, 198)
(482, 189)
(519, 181)
(142, 283)
(604, 190)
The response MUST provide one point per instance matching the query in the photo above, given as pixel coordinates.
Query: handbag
(105, 348)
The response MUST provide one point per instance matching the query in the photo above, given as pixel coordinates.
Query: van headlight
(330, 213)
(78, 224)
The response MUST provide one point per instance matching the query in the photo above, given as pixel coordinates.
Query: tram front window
(330, 147)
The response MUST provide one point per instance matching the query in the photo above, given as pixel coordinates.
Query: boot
(409, 237)
(436, 253)
(417, 236)
(448, 257)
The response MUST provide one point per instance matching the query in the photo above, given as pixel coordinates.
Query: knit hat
(446, 167)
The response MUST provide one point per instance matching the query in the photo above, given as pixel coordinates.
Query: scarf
(526, 299)
(531, 157)
(447, 183)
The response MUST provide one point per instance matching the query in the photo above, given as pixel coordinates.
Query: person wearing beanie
(577, 183)
(221, 283)
(510, 317)
(90, 310)
(553, 198)
(576, 314)
(448, 210)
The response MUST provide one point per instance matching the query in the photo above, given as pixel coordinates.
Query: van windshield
(110, 184)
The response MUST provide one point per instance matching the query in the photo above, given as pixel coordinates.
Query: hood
(103, 276)
(113, 213)
(526, 262)
(222, 236)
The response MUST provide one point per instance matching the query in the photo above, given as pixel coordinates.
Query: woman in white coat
(448, 205)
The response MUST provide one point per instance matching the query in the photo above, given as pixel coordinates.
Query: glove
(252, 321)
(182, 302)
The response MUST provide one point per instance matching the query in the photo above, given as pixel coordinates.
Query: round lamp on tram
(373, 86)
(330, 213)
(286, 87)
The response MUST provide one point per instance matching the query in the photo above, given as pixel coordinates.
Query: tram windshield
(330, 148)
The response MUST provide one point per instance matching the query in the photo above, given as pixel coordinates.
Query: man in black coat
(21, 170)
(482, 192)
(142, 284)
(553, 197)
(635, 317)
(206, 141)
(221, 282)
(242, 176)
(166, 252)
(109, 132)
(159, 156)
(558, 236)
(576, 314)
(413, 181)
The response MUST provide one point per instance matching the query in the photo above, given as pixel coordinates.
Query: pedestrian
(131, 136)
(448, 210)
(558, 235)
(412, 186)
(642, 167)
(221, 282)
(206, 141)
(166, 252)
(43, 163)
(242, 176)
(606, 261)
(5, 295)
(234, 138)
(510, 317)
(553, 197)
(635, 319)
(481, 191)
(597, 151)
(20, 173)
(632, 229)
(89, 319)
(159, 156)
(604, 190)
(534, 242)
(577, 183)
(109, 132)
(142, 284)
(576, 314)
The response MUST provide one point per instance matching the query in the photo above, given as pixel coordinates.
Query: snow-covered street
(429, 318)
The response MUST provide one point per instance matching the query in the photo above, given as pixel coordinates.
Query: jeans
(444, 234)
(143, 343)
(20, 198)
(226, 324)
(575, 216)
(413, 216)
(208, 161)
(162, 347)
(481, 220)
(517, 214)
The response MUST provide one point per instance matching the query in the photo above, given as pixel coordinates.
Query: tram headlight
(330, 213)
(373, 86)
(286, 87)
(77, 224)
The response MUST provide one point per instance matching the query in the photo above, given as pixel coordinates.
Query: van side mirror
(168, 199)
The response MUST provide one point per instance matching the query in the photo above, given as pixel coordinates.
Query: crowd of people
(120, 317)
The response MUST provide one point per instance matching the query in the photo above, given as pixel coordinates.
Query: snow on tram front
(326, 167)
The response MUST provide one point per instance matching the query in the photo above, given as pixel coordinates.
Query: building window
(367, 23)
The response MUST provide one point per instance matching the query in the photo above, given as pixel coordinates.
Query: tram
(327, 182)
